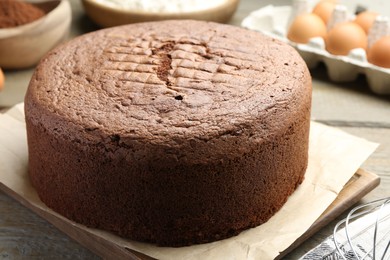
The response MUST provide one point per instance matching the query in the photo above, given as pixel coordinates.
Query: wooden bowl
(23, 46)
(107, 16)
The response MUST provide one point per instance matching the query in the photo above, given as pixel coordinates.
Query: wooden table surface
(351, 107)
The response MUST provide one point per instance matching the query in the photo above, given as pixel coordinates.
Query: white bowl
(23, 46)
(107, 16)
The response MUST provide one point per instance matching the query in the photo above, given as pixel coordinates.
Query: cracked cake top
(172, 80)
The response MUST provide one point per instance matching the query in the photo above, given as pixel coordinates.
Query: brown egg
(1, 79)
(366, 19)
(324, 10)
(379, 53)
(306, 26)
(344, 37)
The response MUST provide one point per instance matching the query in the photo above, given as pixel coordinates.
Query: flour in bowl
(158, 6)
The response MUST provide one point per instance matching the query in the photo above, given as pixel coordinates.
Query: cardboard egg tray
(273, 21)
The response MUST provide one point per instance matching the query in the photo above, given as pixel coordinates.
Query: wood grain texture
(25, 235)
(351, 107)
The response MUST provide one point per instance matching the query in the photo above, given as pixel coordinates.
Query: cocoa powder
(14, 13)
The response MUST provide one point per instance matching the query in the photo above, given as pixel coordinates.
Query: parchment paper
(334, 157)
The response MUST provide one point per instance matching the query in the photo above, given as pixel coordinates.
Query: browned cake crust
(174, 132)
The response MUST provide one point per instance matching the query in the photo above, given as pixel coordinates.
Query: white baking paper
(334, 157)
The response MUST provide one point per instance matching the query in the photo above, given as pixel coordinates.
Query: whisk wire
(357, 234)
(363, 234)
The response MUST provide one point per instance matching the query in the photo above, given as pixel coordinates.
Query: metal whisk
(365, 232)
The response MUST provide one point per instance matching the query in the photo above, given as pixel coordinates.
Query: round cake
(173, 132)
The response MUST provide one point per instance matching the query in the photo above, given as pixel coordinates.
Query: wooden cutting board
(358, 186)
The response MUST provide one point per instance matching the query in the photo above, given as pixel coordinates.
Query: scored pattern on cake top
(186, 67)
(168, 79)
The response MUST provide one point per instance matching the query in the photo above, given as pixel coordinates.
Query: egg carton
(273, 21)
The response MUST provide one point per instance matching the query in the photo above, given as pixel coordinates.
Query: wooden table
(351, 107)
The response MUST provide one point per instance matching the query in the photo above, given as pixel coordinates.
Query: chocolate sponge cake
(174, 132)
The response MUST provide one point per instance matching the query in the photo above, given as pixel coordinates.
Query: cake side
(194, 133)
(175, 206)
